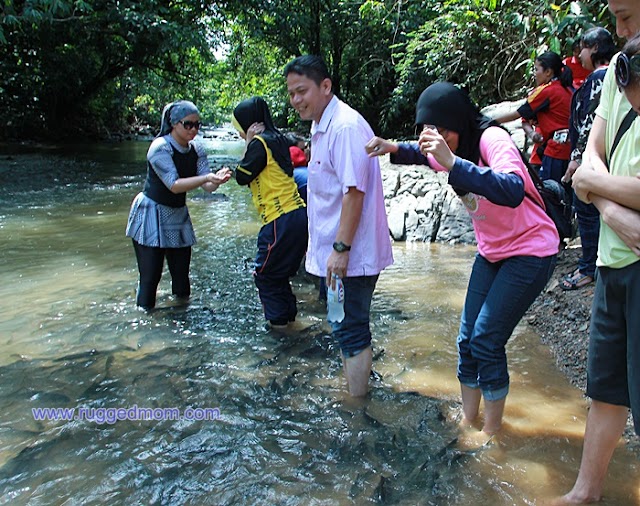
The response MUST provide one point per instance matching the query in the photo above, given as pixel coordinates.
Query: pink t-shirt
(503, 232)
(339, 161)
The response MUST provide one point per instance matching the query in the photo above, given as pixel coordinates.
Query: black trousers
(150, 264)
(281, 246)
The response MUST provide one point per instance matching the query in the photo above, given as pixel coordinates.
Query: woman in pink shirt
(517, 241)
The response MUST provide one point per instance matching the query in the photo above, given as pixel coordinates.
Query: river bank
(561, 318)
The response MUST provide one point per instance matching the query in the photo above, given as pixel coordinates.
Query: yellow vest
(273, 192)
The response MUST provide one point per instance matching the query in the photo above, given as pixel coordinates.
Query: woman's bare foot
(464, 423)
(471, 438)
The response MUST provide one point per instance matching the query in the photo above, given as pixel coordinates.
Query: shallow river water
(236, 414)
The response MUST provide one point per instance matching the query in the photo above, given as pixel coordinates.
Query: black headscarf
(255, 109)
(444, 105)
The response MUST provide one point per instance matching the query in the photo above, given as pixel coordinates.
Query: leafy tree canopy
(74, 67)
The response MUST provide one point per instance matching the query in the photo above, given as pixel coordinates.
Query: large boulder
(422, 206)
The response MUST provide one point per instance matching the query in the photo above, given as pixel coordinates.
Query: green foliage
(93, 67)
(484, 46)
(68, 65)
(251, 67)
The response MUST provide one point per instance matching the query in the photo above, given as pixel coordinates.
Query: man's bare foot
(568, 499)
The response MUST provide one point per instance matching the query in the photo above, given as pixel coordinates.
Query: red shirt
(549, 106)
(579, 72)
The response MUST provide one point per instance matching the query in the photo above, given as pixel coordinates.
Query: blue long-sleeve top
(501, 188)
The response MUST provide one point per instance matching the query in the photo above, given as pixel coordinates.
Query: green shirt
(612, 251)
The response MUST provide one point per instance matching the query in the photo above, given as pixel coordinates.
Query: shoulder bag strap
(624, 126)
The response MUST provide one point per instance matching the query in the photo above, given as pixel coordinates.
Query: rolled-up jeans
(498, 295)
(353, 333)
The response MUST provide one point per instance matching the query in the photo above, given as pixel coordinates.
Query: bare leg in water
(605, 424)
(357, 371)
(493, 411)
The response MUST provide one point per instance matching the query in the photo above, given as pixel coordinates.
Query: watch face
(340, 247)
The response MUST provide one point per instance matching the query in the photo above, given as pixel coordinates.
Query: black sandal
(575, 281)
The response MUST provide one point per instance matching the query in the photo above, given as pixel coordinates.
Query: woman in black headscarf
(517, 241)
(267, 169)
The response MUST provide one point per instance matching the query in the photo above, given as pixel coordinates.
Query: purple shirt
(338, 162)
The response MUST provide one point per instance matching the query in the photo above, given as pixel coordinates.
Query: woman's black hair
(551, 60)
(601, 38)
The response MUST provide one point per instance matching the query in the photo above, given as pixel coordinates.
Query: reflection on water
(70, 337)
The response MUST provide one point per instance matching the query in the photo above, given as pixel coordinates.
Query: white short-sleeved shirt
(339, 161)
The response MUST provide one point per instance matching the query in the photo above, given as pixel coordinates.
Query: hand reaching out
(379, 146)
(221, 176)
(214, 180)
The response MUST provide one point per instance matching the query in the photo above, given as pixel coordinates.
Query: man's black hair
(309, 65)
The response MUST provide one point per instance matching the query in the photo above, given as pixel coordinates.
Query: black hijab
(444, 105)
(255, 109)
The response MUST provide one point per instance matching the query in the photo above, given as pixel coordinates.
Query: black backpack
(556, 202)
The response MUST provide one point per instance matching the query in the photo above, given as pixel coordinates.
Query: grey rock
(421, 206)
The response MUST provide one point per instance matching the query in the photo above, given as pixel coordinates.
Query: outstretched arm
(505, 117)
(379, 146)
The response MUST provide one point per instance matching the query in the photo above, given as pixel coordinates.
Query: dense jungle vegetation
(92, 68)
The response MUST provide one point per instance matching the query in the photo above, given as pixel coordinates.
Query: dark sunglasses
(625, 67)
(188, 125)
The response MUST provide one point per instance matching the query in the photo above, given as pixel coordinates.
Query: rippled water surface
(70, 337)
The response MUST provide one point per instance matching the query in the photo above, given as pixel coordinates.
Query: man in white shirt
(348, 230)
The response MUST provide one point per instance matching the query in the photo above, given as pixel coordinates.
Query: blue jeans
(353, 333)
(498, 295)
(589, 228)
